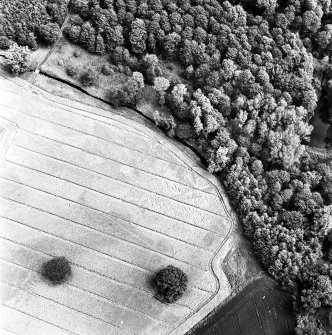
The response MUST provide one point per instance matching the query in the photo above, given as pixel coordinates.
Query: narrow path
(34, 75)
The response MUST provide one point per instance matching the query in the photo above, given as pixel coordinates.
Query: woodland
(253, 74)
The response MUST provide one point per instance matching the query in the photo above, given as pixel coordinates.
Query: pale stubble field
(116, 198)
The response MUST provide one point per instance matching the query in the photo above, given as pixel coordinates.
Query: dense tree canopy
(28, 22)
(17, 59)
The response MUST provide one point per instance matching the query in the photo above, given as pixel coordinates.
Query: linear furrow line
(66, 306)
(146, 292)
(107, 116)
(103, 232)
(39, 319)
(97, 251)
(69, 109)
(78, 244)
(7, 330)
(118, 180)
(92, 293)
(93, 136)
(102, 212)
(114, 197)
(112, 160)
(42, 92)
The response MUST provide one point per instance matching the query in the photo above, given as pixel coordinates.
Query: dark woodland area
(253, 74)
(31, 22)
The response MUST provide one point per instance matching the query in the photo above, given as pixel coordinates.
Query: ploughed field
(119, 201)
(260, 309)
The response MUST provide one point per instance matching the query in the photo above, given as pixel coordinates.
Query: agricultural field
(120, 202)
(260, 309)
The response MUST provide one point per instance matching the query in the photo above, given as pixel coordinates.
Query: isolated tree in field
(71, 70)
(17, 59)
(171, 283)
(88, 78)
(57, 270)
(106, 70)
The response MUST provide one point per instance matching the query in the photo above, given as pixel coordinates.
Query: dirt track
(120, 202)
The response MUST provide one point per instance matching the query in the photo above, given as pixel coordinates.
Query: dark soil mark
(260, 309)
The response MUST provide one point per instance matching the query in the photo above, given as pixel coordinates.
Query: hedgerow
(88, 78)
